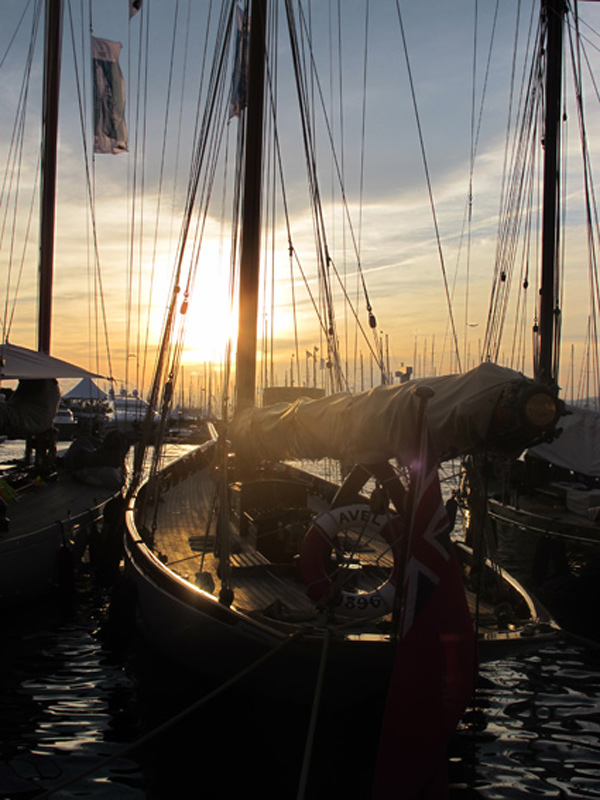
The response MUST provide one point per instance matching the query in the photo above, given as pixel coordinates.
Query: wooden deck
(260, 587)
(46, 503)
(185, 539)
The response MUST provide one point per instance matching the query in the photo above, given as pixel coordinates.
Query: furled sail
(465, 413)
(31, 408)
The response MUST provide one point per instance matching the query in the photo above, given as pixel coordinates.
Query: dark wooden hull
(556, 554)
(48, 532)
(205, 636)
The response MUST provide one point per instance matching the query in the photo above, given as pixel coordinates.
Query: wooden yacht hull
(194, 629)
(218, 644)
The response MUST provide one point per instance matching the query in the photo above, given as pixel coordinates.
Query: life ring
(315, 554)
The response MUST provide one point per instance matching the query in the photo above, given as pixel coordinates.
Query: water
(65, 699)
(72, 694)
(532, 728)
(76, 691)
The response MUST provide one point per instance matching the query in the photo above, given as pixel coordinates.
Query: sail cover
(31, 408)
(578, 446)
(20, 362)
(379, 424)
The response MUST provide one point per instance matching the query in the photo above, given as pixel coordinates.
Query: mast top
(52, 63)
(548, 345)
(251, 213)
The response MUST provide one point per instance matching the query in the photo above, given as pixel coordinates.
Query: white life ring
(315, 553)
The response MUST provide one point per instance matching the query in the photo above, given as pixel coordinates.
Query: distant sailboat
(543, 507)
(46, 512)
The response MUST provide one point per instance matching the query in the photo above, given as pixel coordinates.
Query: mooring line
(310, 737)
(177, 718)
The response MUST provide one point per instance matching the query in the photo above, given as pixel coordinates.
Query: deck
(182, 539)
(40, 505)
(259, 586)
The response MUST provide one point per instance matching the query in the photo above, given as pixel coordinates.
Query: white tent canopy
(86, 389)
(22, 363)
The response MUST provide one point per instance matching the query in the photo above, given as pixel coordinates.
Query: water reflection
(532, 728)
(70, 697)
(63, 707)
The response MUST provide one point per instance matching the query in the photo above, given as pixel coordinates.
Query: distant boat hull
(127, 415)
(48, 532)
(557, 554)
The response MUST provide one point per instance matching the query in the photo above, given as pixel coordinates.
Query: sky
(384, 163)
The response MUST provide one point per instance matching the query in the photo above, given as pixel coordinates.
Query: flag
(433, 675)
(240, 67)
(110, 133)
(134, 7)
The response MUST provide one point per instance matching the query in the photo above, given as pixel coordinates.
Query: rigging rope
(16, 151)
(517, 194)
(429, 187)
(206, 147)
(90, 194)
(16, 31)
(136, 165)
(313, 716)
(13, 168)
(591, 207)
(521, 199)
(318, 221)
(339, 173)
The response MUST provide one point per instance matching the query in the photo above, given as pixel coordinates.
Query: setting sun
(210, 324)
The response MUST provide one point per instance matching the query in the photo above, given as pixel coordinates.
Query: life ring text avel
(315, 557)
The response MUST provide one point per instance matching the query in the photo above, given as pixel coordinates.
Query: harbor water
(74, 695)
(78, 688)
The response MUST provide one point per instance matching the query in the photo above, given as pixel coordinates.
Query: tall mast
(251, 212)
(52, 56)
(554, 11)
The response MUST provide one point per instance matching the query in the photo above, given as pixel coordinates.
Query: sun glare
(210, 324)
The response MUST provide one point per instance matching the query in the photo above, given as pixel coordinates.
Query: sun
(210, 324)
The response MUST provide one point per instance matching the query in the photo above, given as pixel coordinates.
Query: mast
(554, 11)
(52, 57)
(251, 212)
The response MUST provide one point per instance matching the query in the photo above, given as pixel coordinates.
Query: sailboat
(238, 560)
(48, 508)
(543, 507)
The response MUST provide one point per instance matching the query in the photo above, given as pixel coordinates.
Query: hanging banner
(110, 133)
(240, 67)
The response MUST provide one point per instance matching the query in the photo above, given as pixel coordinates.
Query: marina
(265, 584)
